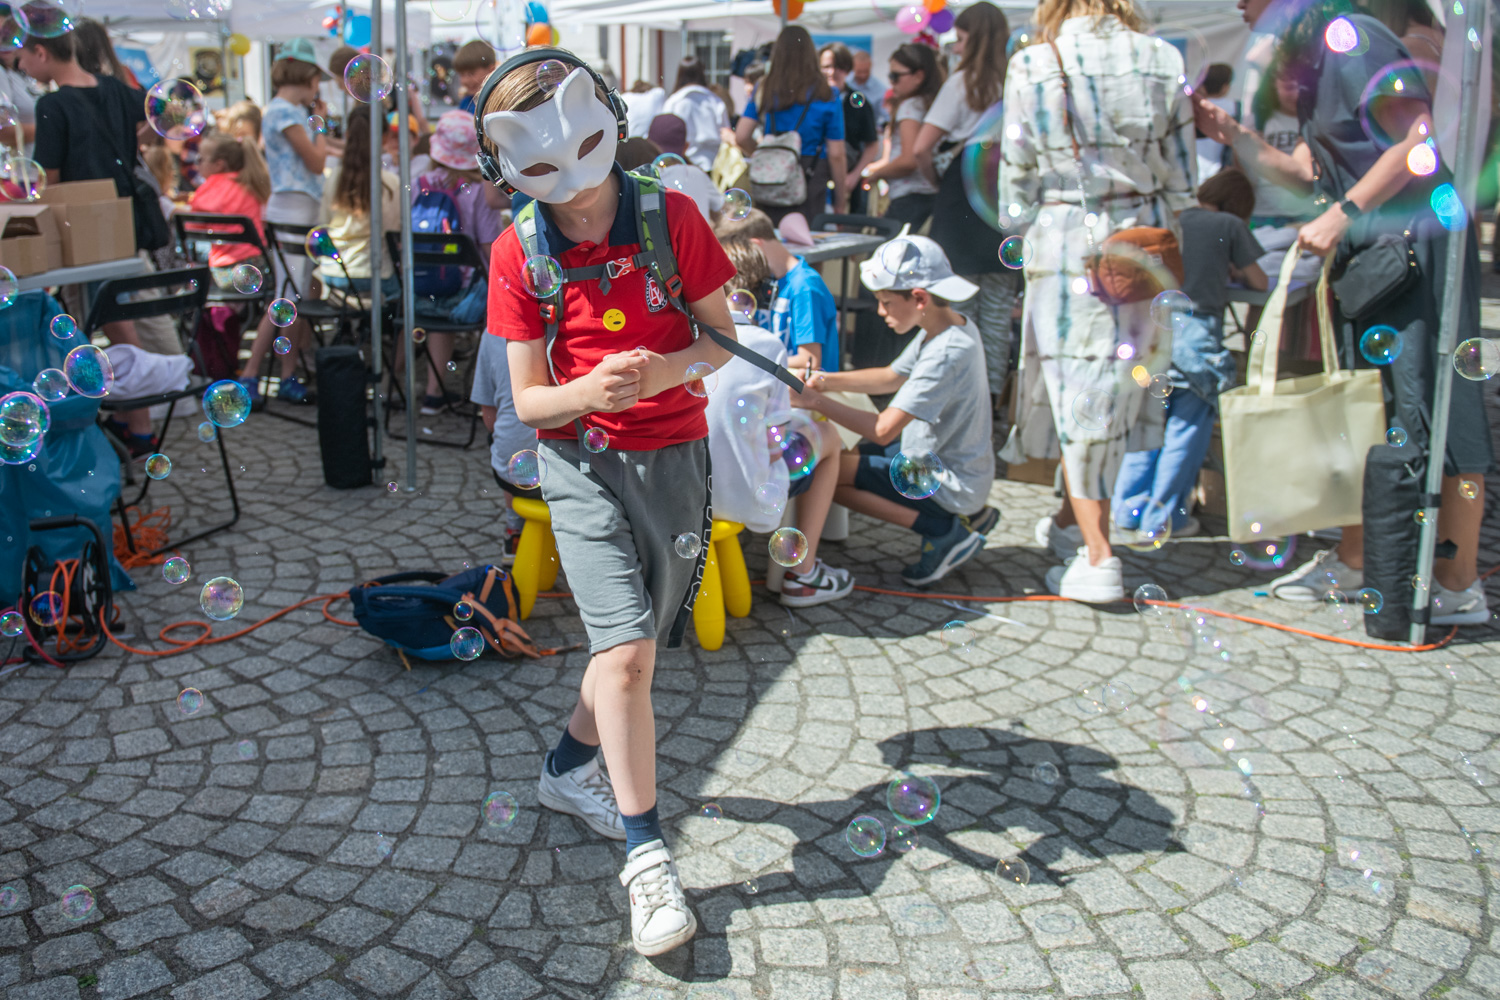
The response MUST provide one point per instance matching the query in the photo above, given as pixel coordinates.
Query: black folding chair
(181, 293)
(197, 230)
(442, 250)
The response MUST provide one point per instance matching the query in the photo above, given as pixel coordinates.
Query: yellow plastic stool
(725, 586)
(535, 568)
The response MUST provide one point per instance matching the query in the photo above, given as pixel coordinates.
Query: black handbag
(1376, 275)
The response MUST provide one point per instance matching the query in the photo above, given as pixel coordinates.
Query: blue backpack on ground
(413, 612)
(435, 211)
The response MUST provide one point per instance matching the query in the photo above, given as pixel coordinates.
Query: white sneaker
(822, 585)
(659, 916)
(1315, 578)
(1081, 580)
(1062, 541)
(584, 792)
(1459, 607)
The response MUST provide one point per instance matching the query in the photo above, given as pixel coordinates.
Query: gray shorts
(615, 530)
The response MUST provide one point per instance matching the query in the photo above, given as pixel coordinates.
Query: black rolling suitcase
(343, 417)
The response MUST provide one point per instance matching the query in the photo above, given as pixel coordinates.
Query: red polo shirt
(635, 313)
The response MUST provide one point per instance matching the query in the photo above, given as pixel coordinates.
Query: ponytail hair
(244, 158)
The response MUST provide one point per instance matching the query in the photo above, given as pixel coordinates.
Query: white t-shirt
(737, 442)
(641, 108)
(950, 110)
(693, 182)
(704, 114)
(916, 182)
(1281, 132)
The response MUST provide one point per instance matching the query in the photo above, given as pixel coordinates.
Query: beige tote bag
(1294, 449)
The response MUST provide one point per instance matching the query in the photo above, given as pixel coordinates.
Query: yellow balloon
(239, 44)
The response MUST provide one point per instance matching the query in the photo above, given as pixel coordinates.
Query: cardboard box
(1042, 471)
(29, 243)
(95, 224)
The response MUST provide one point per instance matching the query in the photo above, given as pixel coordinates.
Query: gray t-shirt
(492, 388)
(1211, 241)
(948, 392)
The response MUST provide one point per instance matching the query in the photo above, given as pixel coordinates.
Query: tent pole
(408, 302)
(377, 255)
(1473, 19)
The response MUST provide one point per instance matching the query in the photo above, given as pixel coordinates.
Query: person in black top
(861, 137)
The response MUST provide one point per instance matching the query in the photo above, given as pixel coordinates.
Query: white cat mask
(574, 133)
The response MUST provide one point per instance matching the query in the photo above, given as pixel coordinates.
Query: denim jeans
(1154, 485)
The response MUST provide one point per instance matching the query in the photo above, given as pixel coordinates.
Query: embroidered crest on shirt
(656, 299)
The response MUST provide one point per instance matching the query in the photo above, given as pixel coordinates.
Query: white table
(126, 267)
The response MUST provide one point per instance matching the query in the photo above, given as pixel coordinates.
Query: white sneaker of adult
(1081, 580)
(584, 792)
(1459, 607)
(659, 916)
(1315, 578)
(1063, 542)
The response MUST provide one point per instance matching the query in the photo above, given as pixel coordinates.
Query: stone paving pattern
(315, 830)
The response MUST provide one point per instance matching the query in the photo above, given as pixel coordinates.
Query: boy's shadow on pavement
(993, 808)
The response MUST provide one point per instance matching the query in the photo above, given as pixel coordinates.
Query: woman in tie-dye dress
(1081, 391)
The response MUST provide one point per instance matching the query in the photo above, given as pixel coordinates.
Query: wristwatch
(1350, 209)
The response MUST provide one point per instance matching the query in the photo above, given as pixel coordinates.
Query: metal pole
(1471, 23)
(408, 301)
(377, 251)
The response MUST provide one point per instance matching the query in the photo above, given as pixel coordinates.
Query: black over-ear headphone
(488, 168)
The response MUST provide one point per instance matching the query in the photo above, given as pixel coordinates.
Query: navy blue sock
(569, 754)
(641, 829)
(933, 525)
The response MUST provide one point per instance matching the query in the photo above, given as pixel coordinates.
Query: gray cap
(909, 262)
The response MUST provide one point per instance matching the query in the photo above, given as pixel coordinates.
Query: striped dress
(1080, 384)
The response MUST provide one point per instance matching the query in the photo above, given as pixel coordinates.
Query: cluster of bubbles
(912, 800)
(368, 78)
(221, 598)
(175, 110)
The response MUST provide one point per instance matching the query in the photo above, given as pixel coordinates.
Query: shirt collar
(624, 231)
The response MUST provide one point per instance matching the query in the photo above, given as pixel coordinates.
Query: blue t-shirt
(804, 312)
(825, 120)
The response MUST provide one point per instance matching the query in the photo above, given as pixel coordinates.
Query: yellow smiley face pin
(614, 320)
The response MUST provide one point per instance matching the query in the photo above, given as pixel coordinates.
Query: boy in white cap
(940, 410)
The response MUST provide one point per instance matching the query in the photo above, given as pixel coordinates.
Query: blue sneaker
(940, 556)
(252, 386)
(292, 390)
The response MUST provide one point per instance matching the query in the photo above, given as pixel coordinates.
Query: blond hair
(242, 156)
(520, 90)
(1050, 14)
(243, 113)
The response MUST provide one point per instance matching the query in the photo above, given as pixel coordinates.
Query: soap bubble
(190, 701)
(700, 379)
(48, 18)
(1167, 305)
(595, 439)
(550, 75)
(500, 810)
(742, 302)
(1045, 773)
(12, 624)
(1094, 409)
(1150, 600)
(63, 326)
(1422, 158)
(1341, 35)
(913, 799)
(1395, 437)
(391, 487)
(900, 258)
(1237, 557)
(916, 476)
(221, 598)
(1420, 516)
(246, 278)
(384, 845)
(282, 345)
(957, 636)
(1468, 489)
(317, 125)
(737, 204)
(794, 442)
(245, 749)
(865, 836)
(1149, 539)
(748, 417)
(368, 78)
(1013, 870)
(463, 611)
(1370, 600)
(226, 403)
(770, 499)
(176, 570)
(175, 110)
(1159, 386)
(419, 336)
(788, 547)
(207, 432)
(856, 99)
(1269, 553)
(1101, 699)
(1380, 345)
(13, 28)
(666, 161)
(1477, 359)
(687, 545)
(46, 608)
(903, 838)
(711, 811)
(77, 901)
(89, 371)
(158, 466)
(466, 643)
(541, 276)
(22, 179)
(319, 243)
(283, 312)
(525, 469)
(9, 287)
(23, 419)
(1015, 252)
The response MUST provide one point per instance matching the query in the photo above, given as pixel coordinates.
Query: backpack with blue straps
(435, 210)
(414, 612)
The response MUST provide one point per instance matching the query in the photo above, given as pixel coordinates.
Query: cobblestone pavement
(1301, 819)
